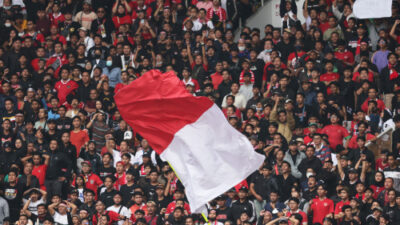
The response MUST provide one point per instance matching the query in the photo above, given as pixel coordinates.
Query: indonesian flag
(207, 154)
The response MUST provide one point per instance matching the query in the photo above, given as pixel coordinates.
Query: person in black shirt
(127, 190)
(286, 181)
(88, 153)
(89, 202)
(106, 169)
(223, 212)
(63, 123)
(13, 194)
(107, 192)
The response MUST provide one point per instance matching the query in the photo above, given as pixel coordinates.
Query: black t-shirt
(13, 195)
(127, 192)
(103, 172)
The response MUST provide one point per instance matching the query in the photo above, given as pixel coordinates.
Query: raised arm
(392, 31)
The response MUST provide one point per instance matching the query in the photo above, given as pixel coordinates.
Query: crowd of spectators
(312, 96)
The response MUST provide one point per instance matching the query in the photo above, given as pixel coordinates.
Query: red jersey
(92, 182)
(119, 181)
(303, 214)
(220, 12)
(339, 206)
(216, 79)
(345, 56)
(381, 105)
(380, 165)
(336, 134)
(40, 173)
(78, 139)
(171, 207)
(321, 208)
(64, 88)
(118, 21)
(113, 217)
(353, 141)
(329, 77)
(56, 19)
(377, 190)
(357, 74)
(56, 62)
(324, 26)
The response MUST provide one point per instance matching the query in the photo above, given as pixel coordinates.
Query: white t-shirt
(121, 210)
(117, 157)
(60, 219)
(33, 205)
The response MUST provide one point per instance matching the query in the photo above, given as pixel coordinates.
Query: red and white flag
(208, 155)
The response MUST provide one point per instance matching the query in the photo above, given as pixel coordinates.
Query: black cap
(293, 142)
(146, 154)
(352, 170)
(243, 188)
(221, 197)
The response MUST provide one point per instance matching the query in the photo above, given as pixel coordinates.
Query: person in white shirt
(33, 201)
(240, 100)
(117, 155)
(85, 39)
(266, 53)
(246, 89)
(145, 148)
(120, 209)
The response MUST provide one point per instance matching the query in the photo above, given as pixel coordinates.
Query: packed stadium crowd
(311, 95)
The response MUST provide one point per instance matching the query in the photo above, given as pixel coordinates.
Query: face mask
(228, 26)
(7, 24)
(309, 174)
(268, 50)
(241, 48)
(258, 109)
(109, 63)
(97, 56)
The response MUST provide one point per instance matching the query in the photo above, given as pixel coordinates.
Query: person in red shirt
(120, 175)
(39, 169)
(344, 195)
(382, 162)
(187, 79)
(362, 131)
(56, 16)
(336, 133)
(216, 11)
(92, 181)
(111, 217)
(373, 96)
(65, 86)
(329, 76)
(216, 77)
(57, 60)
(121, 17)
(342, 54)
(294, 208)
(78, 137)
(321, 206)
(138, 203)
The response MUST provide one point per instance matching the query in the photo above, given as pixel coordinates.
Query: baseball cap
(86, 163)
(243, 188)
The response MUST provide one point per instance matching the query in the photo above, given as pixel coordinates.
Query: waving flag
(208, 155)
